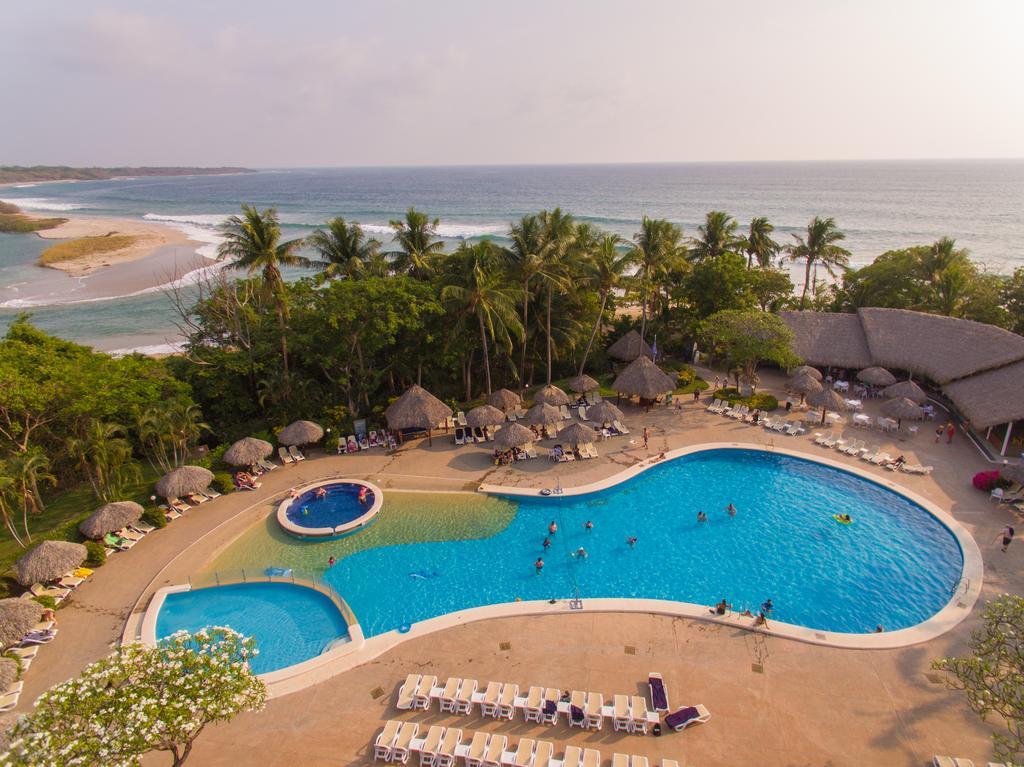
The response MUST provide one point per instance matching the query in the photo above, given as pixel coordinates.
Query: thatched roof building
(183, 480)
(644, 379)
(416, 409)
(583, 383)
(806, 370)
(542, 413)
(604, 412)
(551, 395)
(17, 617)
(876, 376)
(804, 384)
(109, 518)
(827, 399)
(901, 408)
(831, 340)
(247, 451)
(991, 398)
(629, 347)
(48, 561)
(906, 390)
(300, 433)
(503, 399)
(485, 415)
(577, 434)
(513, 435)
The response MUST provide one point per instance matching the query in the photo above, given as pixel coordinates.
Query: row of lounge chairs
(26, 650)
(464, 435)
(857, 448)
(175, 507)
(949, 761)
(782, 426)
(584, 451)
(354, 443)
(289, 454)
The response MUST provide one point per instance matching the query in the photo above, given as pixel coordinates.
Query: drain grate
(504, 646)
(822, 637)
(757, 668)
(934, 678)
(630, 650)
(376, 692)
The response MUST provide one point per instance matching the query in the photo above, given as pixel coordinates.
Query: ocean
(879, 205)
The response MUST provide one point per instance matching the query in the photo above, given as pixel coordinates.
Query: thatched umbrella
(109, 518)
(503, 399)
(803, 384)
(551, 395)
(577, 434)
(513, 435)
(583, 383)
(541, 414)
(17, 617)
(248, 451)
(183, 480)
(644, 379)
(49, 560)
(876, 376)
(8, 673)
(827, 399)
(417, 409)
(907, 389)
(801, 370)
(629, 347)
(901, 408)
(604, 412)
(300, 433)
(485, 415)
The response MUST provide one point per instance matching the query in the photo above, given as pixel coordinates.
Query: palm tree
(7, 500)
(607, 270)
(254, 241)
(28, 469)
(105, 457)
(476, 288)
(418, 249)
(819, 247)
(559, 233)
(525, 259)
(657, 248)
(344, 249)
(759, 245)
(717, 235)
(948, 271)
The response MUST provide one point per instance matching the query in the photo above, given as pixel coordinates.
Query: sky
(327, 83)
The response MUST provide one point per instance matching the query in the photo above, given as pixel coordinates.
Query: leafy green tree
(1012, 298)
(818, 247)
(717, 284)
(657, 250)
(890, 281)
(141, 699)
(527, 262)
(253, 240)
(606, 272)
(8, 504)
(716, 236)
(28, 469)
(992, 676)
(344, 250)
(419, 250)
(167, 431)
(748, 338)
(759, 245)
(105, 457)
(771, 288)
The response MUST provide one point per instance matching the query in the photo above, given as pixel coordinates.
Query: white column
(1006, 440)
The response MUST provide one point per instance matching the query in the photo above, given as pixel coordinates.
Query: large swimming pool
(895, 566)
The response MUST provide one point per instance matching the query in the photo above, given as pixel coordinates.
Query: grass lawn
(13, 221)
(86, 246)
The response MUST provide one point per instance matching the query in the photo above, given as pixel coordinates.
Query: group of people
(730, 510)
(244, 479)
(580, 553)
(946, 430)
(505, 457)
(761, 619)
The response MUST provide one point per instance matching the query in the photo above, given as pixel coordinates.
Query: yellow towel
(82, 572)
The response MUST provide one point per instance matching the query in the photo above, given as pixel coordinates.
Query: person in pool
(588, 525)
(321, 492)
(552, 528)
(581, 553)
(631, 540)
(330, 562)
(547, 543)
(363, 490)
(844, 518)
(538, 565)
(767, 607)
(720, 608)
(293, 493)
(731, 510)
(702, 517)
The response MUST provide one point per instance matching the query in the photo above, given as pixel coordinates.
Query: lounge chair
(170, 514)
(282, 453)
(460, 436)
(428, 748)
(68, 582)
(495, 750)
(594, 711)
(489, 704)
(524, 753)
(542, 754)
(549, 714)
(563, 410)
(39, 590)
(620, 760)
(620, 428)
(461, 418)
(620, 713)
(407, 692)
(530, 450)
(659, 692)
(464, 698)
(533, 709)
(682, 718)
(295, 453)
(449, 693)
(638, 715)
(916, 468)
(38, 637)
(177, 503)
(131, 536)
(351, 444)
(143, 527)
(211, 493)
(477, 749)
(507, 703)
(421, 697)
(550, 432)
(479, 435)
(10, 699)
(870, 453)
(591, 757)
(446, 750)
(881, 458)
(669, 763)
(24, 654)
(573, 757)
(581, 411)
(121, 544)
(263, 463)
(636, 760)
(577, 703)
(715, 406)
(402, 747)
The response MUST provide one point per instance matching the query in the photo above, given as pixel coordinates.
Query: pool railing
(297, 577)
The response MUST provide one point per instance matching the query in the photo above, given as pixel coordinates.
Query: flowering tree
(141, 699)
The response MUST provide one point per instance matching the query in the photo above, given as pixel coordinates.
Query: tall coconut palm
(418, 246)
(8, 502)
(759, 245)
(344, 249)
(657, 249)
(606, 270)
(717, 235)
(105, 457)
(526, 261)
(476, 288)
(254, 241)
(819, 247)
(948, 271)
(28, 469)
(559, 235)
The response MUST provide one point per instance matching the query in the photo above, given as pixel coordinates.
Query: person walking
(939, 431)
(1007, 537)
(647, 436)
(950, 431)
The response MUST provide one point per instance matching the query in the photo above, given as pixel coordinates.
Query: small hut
(504, 400)
(902, 408)
(551, 395)
(300, 433)
(484, 416)
(513, 435)
(109, 518)
(417, 409)
(248, 451)
(183, 481)
(49, 561)
(583, 383)
(542, 414)
(17, 617)
(876, 376)
(907, 389)
(827, 399)
(803, 384)
(630, 347)
(644, 379)
(604, 412)
(577, 434)
(807, 370)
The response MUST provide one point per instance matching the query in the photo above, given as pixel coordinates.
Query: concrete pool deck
(810, 706)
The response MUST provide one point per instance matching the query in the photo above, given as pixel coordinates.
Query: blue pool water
(340, 505)
(896, 565)
(290, 623)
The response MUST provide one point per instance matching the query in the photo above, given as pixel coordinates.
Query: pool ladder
(962, 581)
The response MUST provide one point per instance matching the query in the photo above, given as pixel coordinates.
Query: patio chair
(682, 718)
(621, 715)
(446, 751)
(477, 749)
(449, 693)
(407, 692)
(282, 453)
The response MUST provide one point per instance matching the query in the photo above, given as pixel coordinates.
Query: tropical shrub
(155, 517)
(96, 554)
(222, 482)
(685, 376)
(761, 402)
(47, 602)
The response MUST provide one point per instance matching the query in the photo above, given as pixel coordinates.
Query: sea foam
(198, 227)
(40, 203)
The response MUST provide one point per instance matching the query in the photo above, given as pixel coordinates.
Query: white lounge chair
(620, 713)
(542, 754)
(916, 468)
(461, 418)
(449, 744)
(682, 718)
(421, 698)
(507, 702)
(460, 436)
(464, 698)
(142, 527)
(638, 715)
(577, 699)
(295, 453)
(636, 760)
(477, 749)
(39, 590)
(533, 708)
(594, 711)
(524, 753)
(591, 757)
(619, 427)
(282, 453)
(495, 750)
(620, 760)
(489, 703)
(385, 740)
(549, 715)
(564, 411)
(10, 699)
(881, 458)
(403, 742)
(428, 748)
(796, 428)
(573, 757)
(581, 411)
(530, 450)
(449, 694)
(407, 692)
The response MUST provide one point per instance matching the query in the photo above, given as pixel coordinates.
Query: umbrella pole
(824, 413)
(430, 439)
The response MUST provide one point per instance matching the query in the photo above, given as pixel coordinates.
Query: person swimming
(581, 553)
(588, 525)
(731, 510)
(321, 492)
(330, 562)
(552, 528)
(539, 565)
(702, 517)
(631, 540)
(844, 518)
(305, 511)
(547, 543)
(362, 493)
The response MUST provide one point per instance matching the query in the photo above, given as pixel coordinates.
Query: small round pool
(330, 509)
(290, 623)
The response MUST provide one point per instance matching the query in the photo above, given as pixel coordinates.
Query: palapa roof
(183, 480)
(829, 339)
(583, 383)
(300, 433)
(804, 384)
(48, 560)
(17, 617)
(807, 370)
(876, 376)
(513, 435)
(485, 415)
(504, 399)
(247, 451)
(577, 433)
(901, 408)
(551, 395)
(629, 347)
(1013, 472)
(416, 409)
(542, 413)
(8, 672)
(109, 518)
(907, 389)
(604, 412)
(828, 399)
(990, 398)
(644, 379)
